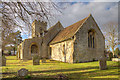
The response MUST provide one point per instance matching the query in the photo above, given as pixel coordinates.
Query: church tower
(39, 28)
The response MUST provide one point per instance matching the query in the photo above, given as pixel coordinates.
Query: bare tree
(111, 35)
(21, 14)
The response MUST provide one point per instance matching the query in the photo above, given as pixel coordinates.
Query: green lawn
(86, 71)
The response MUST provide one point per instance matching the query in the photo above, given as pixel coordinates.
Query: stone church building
(80, 42)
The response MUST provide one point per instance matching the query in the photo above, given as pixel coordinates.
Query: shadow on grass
(57, 70)
(63, 70)
(72, 76)
(15, 78)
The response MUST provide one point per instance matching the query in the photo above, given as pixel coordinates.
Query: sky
(102, 12)
(62, 0)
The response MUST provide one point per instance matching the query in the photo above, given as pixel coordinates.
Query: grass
(84, 71)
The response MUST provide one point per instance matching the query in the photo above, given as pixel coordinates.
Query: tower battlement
(38, 28)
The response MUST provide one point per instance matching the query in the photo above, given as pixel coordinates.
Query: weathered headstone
(36, 60)
(103, 63)
(44, 60)
(22, 72)
(3, 61)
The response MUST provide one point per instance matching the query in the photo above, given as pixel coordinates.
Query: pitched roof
(58, 23)
(68, 32)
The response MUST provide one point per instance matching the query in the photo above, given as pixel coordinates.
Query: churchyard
(54, 69)
(33, 35)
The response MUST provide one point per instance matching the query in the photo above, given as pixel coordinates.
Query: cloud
(103, 12)
(30, 36)
(85, 0)
(105, 0)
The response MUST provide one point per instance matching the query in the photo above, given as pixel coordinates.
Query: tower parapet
(39, 28)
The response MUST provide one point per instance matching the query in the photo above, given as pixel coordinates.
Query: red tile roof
(68, 32)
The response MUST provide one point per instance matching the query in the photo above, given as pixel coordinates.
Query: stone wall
(63, 51)
(24, 49)
(20, 51)
(38, 27)
(82, 52)
(52, 32)
(72, 50)
(27, 47)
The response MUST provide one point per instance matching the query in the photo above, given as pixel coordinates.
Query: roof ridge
(83, 22)
(76, 22)
(69, 31)
(54, 25)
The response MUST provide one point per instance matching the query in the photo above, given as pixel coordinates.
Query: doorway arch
(34, 49)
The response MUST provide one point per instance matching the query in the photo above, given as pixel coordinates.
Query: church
(82, 41)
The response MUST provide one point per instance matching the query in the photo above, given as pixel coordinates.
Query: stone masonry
(82, 41)
(75, 48)
(38, 44)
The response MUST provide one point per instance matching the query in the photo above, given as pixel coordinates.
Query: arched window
(91, 37)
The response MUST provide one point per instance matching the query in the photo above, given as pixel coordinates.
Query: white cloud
(85, 0)
(106, 0)
(103, 12)
(30, 36)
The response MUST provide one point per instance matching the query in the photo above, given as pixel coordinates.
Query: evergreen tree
(117, 51)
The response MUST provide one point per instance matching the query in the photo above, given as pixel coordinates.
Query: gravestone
(3, 61)
(103, 63)
(36, 60)
(22, 72)
(44, 60)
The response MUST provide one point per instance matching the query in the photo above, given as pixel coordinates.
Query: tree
(4, 38)
(12, 40)
(111, 35)
(19, 15)
(16, 39)
(117, 51)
